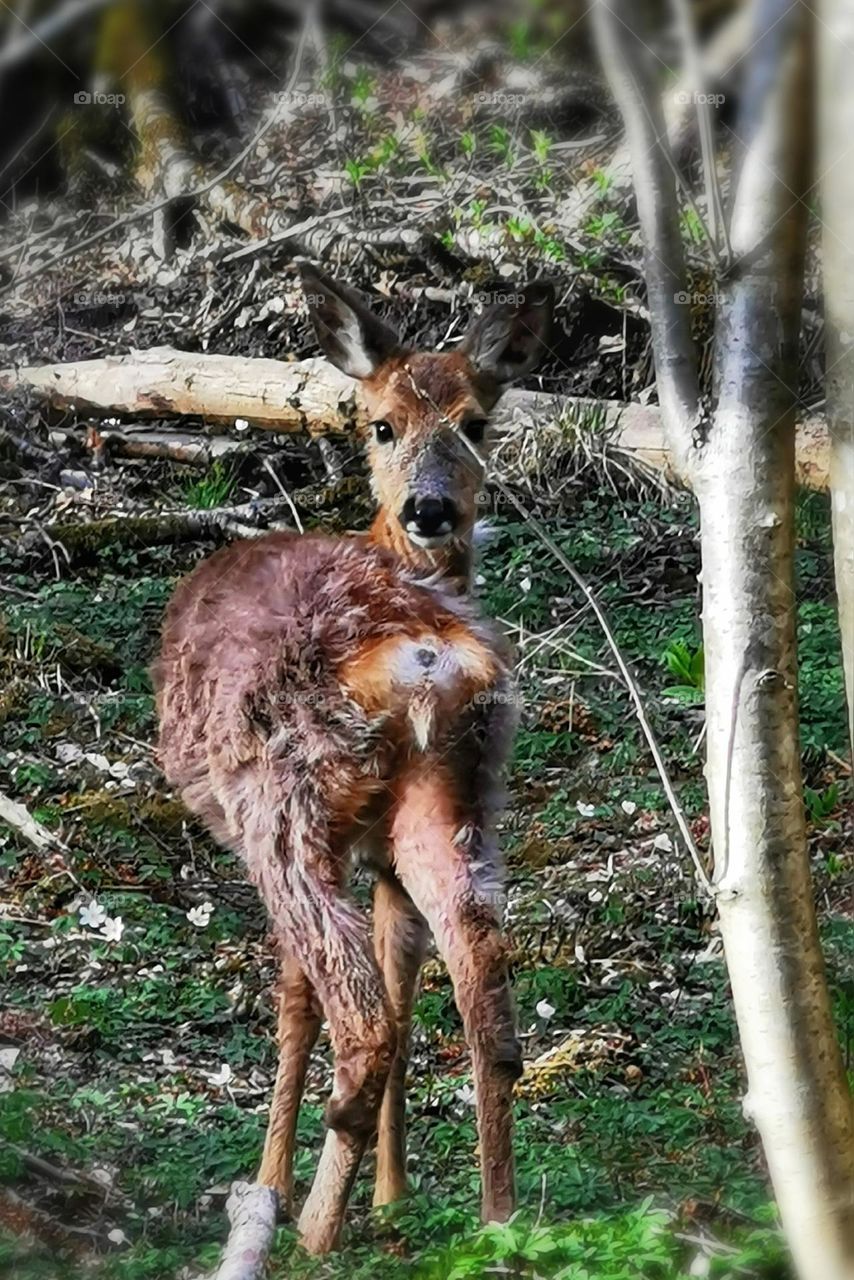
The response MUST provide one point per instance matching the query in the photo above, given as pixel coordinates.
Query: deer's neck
(452, 562)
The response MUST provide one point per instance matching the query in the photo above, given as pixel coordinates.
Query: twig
(629, 679)
(844, 765)
(275, 117)
(50, 26)
(268, 466)
(251, 1210)
(697, 81)
(281, 237)
(69, 1177)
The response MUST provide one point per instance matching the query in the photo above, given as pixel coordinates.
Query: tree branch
(837, 199)
(626, 59)
(251, 1211)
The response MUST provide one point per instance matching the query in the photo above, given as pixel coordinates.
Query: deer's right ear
(351, 335)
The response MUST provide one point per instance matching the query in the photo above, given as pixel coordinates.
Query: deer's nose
(429, 517)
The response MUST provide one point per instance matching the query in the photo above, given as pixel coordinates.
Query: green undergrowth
(147, 1060)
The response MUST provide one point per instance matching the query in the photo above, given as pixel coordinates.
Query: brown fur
(317, 696)
(422, 397)
(289, 690)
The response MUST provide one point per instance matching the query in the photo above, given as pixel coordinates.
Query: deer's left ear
(511, 336)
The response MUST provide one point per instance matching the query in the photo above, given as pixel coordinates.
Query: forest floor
(144, 1062)
(136, 1050)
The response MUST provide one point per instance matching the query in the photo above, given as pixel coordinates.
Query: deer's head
(428, 412)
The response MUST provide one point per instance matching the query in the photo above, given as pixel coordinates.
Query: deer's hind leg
(400, 939)
(298, 1027)
(297, 855)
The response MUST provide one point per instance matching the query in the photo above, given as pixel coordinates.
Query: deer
(326, 699)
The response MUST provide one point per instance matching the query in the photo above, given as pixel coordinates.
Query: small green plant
(602, 180)
(549, 247)
(687, 665)
(603, 225)
(362, 89)
(468, 142)
(212, 489)
(501, 144)
(821, 804)
(606, 1249)
(356, 170)
(692, 226)
(541, 145)
(475, 212)
(518, 228)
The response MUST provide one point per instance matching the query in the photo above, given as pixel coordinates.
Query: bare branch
(627, 63)
(697, 89)
(837, 131)
(251, 1211)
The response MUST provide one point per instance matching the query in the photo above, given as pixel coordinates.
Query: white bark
(837, 167)
(797, 1092)
(627, 59)
(742, 469)
(251, 1212)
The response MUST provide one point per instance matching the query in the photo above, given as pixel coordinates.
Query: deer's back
(311, 656)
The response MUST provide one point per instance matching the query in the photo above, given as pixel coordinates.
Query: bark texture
(797, 1092)
(837, 166)
(252, 1213)
(741, 465)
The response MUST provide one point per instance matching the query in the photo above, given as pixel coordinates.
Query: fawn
(322, 698)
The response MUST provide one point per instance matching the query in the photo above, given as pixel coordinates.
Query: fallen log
(311, 395)
(247, 520)
(194, 450)
(251, 1210)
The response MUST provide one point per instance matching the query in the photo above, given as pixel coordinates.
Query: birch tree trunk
(741, 466)
(836, 34)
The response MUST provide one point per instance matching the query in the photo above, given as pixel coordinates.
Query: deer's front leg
(452, 878)
(400, 938)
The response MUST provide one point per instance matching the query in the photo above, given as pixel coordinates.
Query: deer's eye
(383, 432)
(475, 429)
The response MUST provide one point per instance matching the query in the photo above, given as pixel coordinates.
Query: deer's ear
(511, 336)
(351, 335)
